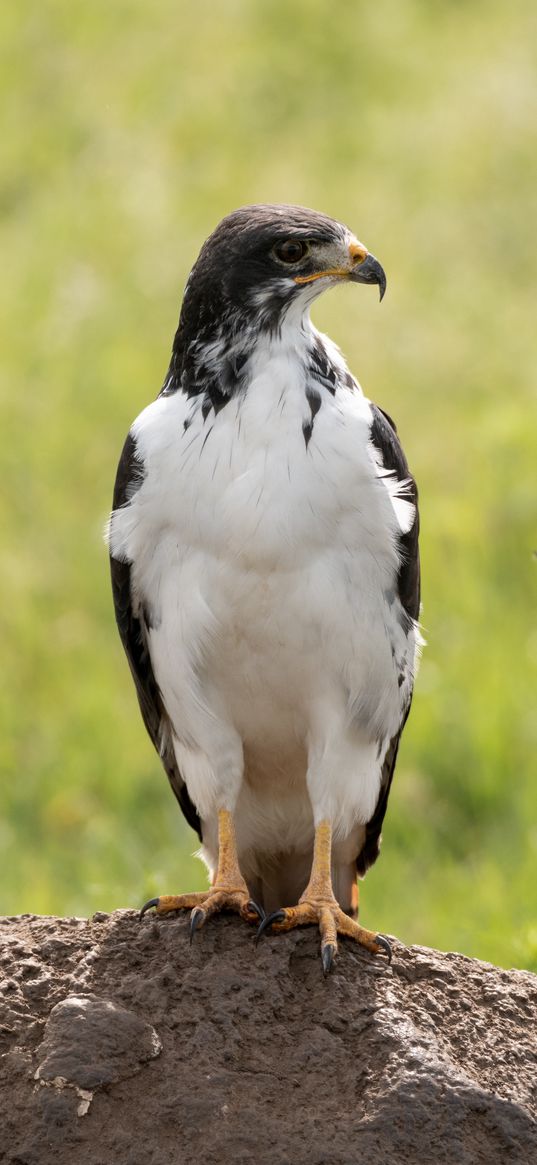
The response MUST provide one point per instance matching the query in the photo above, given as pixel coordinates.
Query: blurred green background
(129, 131)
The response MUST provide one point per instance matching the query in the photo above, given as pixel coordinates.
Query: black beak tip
(370, 271)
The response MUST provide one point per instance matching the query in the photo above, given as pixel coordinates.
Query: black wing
(133, 629)
(384, 438)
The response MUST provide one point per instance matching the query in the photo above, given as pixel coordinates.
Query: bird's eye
(290, 251)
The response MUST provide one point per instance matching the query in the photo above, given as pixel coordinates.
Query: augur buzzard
(264, 551)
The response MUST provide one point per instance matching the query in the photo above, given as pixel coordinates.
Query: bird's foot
(205, 903)
(228, 891)
(331, 920)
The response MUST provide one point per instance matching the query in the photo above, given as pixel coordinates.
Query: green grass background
(129, 130)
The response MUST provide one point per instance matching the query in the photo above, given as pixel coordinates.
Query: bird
(265, 572)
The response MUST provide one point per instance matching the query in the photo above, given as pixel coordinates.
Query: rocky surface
(122, 1044)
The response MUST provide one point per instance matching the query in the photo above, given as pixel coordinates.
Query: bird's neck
(213, 356)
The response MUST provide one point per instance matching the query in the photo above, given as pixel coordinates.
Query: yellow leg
(228, 891)
(318, 905)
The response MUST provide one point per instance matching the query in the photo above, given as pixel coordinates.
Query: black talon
(327, 957)
(383, 942)
(276, 916)
(255, 909)
(148, 905)
(196, 920)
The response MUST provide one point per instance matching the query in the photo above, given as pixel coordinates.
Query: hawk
(265, 572)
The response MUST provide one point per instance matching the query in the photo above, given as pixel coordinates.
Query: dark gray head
(259, 263)
(274, 254)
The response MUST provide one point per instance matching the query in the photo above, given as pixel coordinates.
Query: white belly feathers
(267, 563)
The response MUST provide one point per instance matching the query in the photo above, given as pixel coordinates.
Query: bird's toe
(148, 906)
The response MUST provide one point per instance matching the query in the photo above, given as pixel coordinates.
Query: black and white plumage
(264, 551)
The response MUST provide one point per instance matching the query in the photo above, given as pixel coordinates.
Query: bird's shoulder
(385, 441)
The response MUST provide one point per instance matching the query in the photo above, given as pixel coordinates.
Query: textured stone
(430, 1060)
(89, 1042)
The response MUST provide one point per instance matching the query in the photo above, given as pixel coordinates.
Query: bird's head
(263, 259)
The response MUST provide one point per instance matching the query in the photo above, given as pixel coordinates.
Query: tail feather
(281, 878)
(345, 887)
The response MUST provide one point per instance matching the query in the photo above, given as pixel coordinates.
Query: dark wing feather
(384, 438)
(132, 628)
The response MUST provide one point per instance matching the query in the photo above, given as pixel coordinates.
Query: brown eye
(290, 251)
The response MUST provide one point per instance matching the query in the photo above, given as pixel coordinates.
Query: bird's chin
(311, 290)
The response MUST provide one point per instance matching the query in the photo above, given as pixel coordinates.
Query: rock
(122, 1043)
(89, 1042)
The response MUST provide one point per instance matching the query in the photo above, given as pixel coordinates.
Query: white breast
(266, 565)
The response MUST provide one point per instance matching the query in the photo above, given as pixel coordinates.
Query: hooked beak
(364, 269)
(369, 271)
